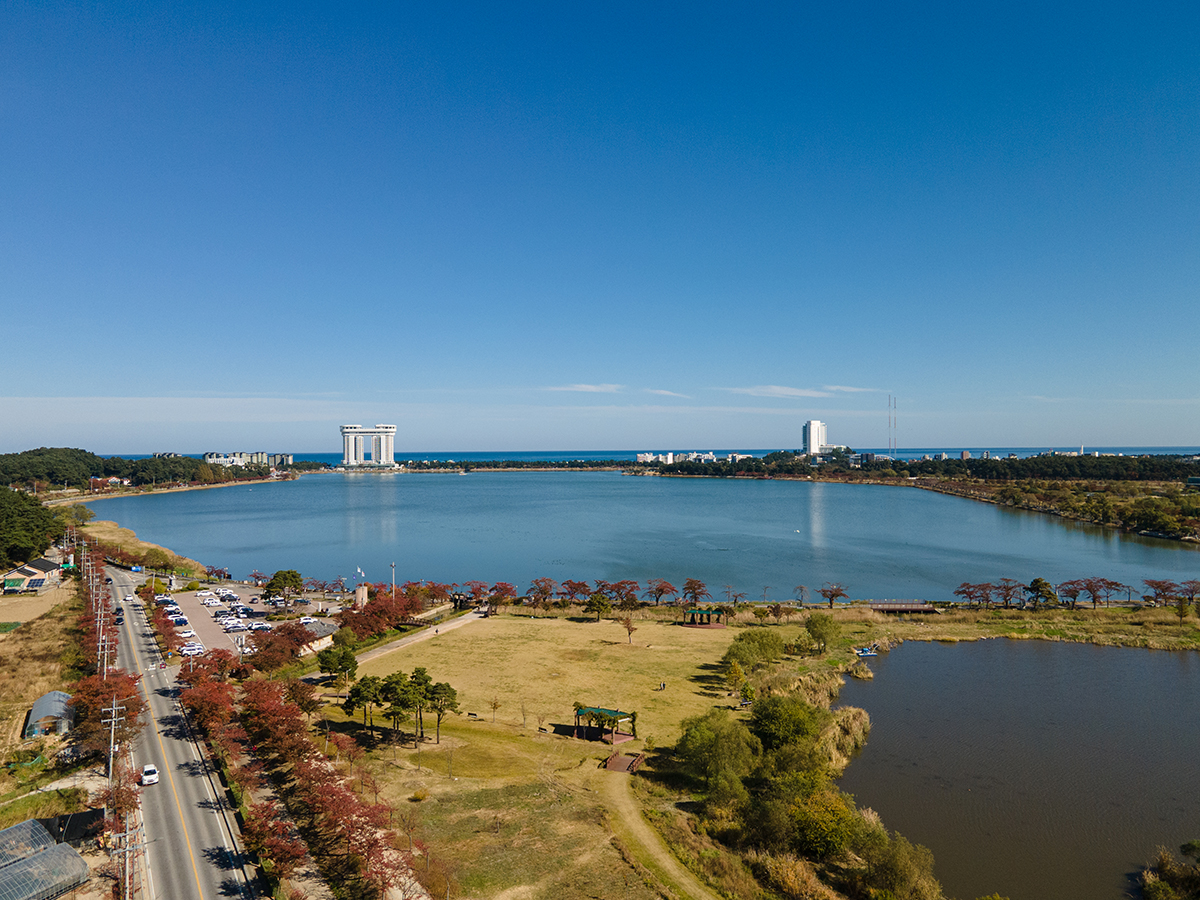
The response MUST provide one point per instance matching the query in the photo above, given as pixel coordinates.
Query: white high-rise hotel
(814, 437)
(369, 447)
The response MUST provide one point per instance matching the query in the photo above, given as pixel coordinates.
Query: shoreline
(174, 489)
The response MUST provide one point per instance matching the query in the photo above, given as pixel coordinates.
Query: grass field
(545, 664)
(516, 812)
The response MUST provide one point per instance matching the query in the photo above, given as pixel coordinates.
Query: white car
(185, 634)
(211, 601)
(149, 774)
(260, 626)
(307, 620)
(236, 626)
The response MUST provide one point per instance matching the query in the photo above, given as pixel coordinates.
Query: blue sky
(560, 226)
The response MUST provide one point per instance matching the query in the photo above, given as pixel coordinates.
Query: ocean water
(880, 542)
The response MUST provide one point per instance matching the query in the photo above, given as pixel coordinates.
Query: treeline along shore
(1141, 494)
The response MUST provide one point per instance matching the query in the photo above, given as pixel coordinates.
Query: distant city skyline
(544, 227)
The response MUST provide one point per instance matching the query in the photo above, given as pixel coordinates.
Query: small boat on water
(862, 652)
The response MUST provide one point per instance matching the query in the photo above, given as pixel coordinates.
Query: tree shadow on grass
(662, 768)
(711, 679)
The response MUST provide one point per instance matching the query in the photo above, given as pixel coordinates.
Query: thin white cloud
(663, 393)
(849, 390)
(589, 388)
(775, 390)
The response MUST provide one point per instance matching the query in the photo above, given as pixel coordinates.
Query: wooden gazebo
(606, 721)
(704, 618)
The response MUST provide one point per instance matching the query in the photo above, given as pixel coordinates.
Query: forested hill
(26, 528)
(58, 466)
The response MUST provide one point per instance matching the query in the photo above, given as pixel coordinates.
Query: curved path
(644, 843)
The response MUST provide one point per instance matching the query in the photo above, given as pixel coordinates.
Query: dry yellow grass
(31, 665)
(548, 663)
(111, 533)
(521, 813)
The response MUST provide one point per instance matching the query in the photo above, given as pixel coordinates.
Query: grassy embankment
(110, 534)
(35, 658)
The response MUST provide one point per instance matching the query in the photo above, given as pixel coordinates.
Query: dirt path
(644, 843)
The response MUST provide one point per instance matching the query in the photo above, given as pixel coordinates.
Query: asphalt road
(190, 834)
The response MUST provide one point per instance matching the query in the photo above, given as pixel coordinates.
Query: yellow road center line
(162, 755)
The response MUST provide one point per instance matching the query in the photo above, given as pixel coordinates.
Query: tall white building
(369, 447)
(814, 437)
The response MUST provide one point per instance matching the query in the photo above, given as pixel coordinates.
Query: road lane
(191, 851)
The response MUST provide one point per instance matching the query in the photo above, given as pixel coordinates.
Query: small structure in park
(903, 606)
(605, 721)
(52, 713)
(704, 618)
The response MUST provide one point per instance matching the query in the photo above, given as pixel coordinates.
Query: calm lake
(1034, 769)
(881, 542)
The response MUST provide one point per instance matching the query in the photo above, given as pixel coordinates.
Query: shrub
(753, 648)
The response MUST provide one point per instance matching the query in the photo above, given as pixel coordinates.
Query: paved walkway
(424, 634)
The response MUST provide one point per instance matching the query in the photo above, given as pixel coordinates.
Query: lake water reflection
(515, 526)
(1035, 769)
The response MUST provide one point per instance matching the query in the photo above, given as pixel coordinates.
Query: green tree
(735, 677)
(717, 745)
(366, 694)
(599, 604)
(1040, 591)
(285, 583)
(157, 558)
(339, 662)
(443, 699)
(781, 720)
(822, 628)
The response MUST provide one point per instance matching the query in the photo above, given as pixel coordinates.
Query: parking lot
(201, 618)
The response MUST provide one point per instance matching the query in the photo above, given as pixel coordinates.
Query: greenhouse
(33, 867)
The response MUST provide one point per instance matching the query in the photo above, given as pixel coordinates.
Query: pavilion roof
(614, 713)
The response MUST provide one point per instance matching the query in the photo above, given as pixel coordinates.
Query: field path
(644, 843)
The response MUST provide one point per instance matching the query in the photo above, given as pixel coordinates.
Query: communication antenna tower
(891, 426)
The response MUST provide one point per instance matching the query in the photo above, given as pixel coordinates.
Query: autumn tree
(832, 592)
(630, 628)
(1007, 590)
(91, 696)
(540, 592)
(573, 590)
(1161, 591)
(658, 588)
(695, 591)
